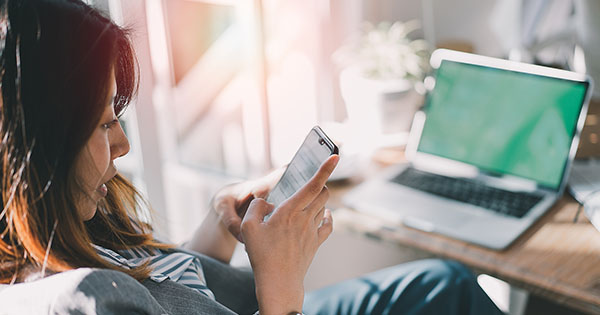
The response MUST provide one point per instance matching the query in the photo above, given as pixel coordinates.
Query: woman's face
(94, 164)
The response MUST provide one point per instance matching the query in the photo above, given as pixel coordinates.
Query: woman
(67, 73)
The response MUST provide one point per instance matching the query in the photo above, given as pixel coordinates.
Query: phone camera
(321, 141)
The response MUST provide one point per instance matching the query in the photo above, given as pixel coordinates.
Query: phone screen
(315, 149)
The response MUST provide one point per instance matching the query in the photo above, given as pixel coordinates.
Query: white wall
(588, 28)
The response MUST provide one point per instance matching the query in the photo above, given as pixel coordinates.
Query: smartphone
(315, 149)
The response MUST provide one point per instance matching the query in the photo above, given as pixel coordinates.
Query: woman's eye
(110, 124)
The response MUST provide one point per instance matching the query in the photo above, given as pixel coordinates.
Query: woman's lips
(102, 190)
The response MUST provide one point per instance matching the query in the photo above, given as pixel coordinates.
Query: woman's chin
(89, 213)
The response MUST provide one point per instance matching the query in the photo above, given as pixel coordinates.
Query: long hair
(56, 59)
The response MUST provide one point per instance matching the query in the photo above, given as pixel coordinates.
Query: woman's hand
(231, 202)
(218, 234)
(282, 248)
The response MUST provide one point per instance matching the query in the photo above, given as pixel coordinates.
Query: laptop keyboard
(515, 204)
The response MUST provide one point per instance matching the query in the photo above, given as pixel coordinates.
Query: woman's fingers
(282, 248)
(319, 216)
(261, 187)
(326, 228)
(313, 187)
(319, 202)
(257, 210)
(226, 210)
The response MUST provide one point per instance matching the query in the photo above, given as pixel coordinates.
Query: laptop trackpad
(413, 208)
(430, 214)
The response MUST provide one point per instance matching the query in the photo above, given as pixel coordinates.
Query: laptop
(489, 153)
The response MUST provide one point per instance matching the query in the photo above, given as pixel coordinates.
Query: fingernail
(326, 216)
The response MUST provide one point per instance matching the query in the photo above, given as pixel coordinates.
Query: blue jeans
(422, 287)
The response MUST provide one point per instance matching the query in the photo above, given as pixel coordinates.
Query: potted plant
(382, 75)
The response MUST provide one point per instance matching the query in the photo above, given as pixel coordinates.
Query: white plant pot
(379, 111)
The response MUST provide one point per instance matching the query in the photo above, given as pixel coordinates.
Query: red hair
(55, 65)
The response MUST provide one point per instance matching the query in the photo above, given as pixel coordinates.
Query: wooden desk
(556, 258)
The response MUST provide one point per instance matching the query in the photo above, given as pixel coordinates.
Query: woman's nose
(120, 145)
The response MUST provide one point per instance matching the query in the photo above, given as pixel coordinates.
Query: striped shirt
(179, 267)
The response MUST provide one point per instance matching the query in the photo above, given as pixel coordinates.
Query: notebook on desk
(488, 155)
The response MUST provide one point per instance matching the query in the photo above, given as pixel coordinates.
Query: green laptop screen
(502, 121)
